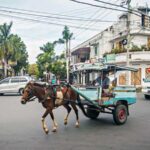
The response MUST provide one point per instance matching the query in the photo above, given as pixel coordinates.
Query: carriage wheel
(147, 97)
(92, 112)
(120, 114)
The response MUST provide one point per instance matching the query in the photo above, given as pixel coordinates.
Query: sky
(35, 34)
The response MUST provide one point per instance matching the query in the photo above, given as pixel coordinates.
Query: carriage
(115, 100)
(91, 99)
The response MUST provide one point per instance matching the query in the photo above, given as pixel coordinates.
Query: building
(111, 45)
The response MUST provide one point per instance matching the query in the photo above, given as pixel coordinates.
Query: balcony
(81, 55)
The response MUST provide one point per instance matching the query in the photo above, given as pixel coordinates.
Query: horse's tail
(80, 105)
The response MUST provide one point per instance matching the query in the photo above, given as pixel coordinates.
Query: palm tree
(66, 38)
(45, 59)
(5, 44)
(18, 53)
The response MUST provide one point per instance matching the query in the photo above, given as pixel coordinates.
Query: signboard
(148, 70)
(110, 58)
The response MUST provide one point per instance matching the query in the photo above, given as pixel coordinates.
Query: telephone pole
(128, 40)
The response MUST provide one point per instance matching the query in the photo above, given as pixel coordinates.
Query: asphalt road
(20, 129)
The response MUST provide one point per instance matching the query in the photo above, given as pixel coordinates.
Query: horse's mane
(39, 85)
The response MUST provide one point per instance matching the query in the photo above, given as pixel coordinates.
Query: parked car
(146, 88)
(14, 84)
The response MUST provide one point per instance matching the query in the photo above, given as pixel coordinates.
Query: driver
(104, 79)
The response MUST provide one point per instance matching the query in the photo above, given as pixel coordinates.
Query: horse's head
(28, 93)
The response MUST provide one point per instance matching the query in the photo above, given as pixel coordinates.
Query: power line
(53, 17)
(110, 4)
(95, 23)
(130, 10)
(99, 6)
(46, 22)
(120, 6)
(39, 13)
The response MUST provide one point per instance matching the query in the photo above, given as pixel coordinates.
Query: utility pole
(128, 40)
(67, 61)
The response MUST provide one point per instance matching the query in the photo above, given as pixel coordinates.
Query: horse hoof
(54, 130)
(46, 131)
(77, 125)
(65, 123)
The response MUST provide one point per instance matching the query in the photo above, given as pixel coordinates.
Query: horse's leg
(68, 112)
(54, 123)
(76, 112)
(43, 121)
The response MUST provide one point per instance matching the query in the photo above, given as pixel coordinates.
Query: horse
(51, 99)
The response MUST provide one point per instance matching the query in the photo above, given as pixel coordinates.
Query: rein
(32, 99)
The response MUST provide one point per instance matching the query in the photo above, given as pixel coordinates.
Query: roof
(102, 67)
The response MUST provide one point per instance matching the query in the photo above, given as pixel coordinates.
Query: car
(14, 84)
(146, 88)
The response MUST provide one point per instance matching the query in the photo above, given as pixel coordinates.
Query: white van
(146, 88)
(14, 84)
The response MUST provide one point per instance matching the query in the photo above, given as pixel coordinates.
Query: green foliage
(12, 48)
(145, 48)
(67, 35)
(19, 53)
(33, 70)
(135, 48)
(45, 59)
(59, 69)
(48, 61)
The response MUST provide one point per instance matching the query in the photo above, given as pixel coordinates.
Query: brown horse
(50, 100)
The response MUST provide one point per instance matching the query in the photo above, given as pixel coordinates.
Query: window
(5, 81)
(136, 77)
(96, 49)
(148, 42)
(15, 80)
(145, 21)
(23, 80)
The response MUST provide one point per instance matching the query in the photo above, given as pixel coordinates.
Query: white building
(109, 43)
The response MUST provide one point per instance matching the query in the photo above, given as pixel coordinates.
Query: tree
(66, 38)
(12, 50)
(59, 66)
(5, 44)
(33, 70)
(19, 53)
(45, 59)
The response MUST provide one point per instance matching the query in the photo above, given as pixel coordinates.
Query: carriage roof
(102, 67)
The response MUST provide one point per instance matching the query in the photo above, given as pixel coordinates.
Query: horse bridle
(31, 96)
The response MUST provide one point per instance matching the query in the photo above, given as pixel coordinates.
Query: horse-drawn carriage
(114, 100)
(92, 99)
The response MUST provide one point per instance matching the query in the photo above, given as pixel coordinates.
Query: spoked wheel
(92, 112)
(120, 114)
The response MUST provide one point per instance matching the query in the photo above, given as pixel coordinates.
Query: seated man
(104, 79)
